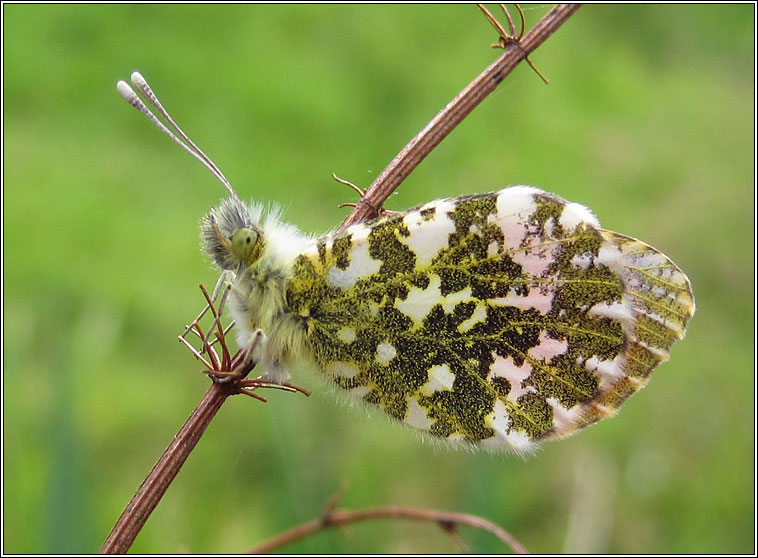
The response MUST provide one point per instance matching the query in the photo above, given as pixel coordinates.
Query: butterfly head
(231, 235)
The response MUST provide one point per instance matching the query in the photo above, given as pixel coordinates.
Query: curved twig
(339, 518)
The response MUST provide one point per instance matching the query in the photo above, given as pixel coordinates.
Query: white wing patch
(362, 265)
(427, 237)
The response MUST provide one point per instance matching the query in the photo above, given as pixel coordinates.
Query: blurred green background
(648, 120)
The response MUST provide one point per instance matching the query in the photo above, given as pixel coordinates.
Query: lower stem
(157, 482)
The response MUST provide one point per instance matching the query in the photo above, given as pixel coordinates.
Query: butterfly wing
(500, 319)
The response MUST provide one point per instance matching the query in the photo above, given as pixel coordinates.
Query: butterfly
(495, 320)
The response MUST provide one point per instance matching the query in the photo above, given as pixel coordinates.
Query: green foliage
(648, 120)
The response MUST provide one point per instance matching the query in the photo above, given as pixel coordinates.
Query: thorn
(507, 38)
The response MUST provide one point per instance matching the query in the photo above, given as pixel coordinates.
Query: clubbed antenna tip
(172, 130)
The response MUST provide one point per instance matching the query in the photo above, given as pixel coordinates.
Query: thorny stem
(154, 486)
(454, 113)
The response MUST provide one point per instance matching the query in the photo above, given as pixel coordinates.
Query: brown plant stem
(340, 518)
(454, 113)
(154, 486)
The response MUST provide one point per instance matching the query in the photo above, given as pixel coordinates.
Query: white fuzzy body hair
(284, 242)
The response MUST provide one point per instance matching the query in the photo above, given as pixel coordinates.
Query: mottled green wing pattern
(500, 319)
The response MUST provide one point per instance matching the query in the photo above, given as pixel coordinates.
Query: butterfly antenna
(183, 139)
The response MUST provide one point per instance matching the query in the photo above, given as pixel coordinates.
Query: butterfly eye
(245, 244)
